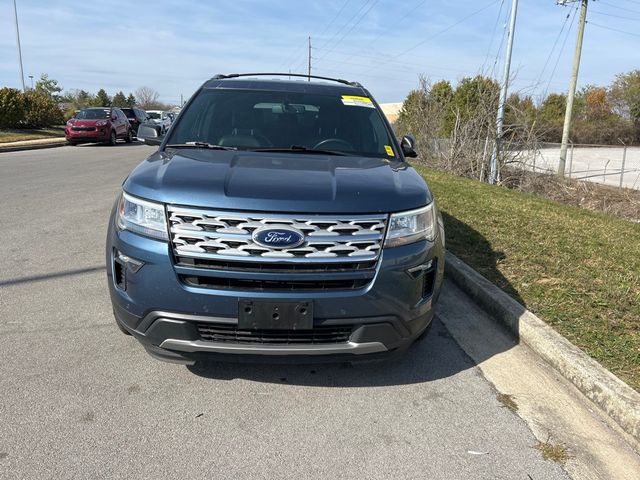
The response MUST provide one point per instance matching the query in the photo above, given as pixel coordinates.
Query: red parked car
(102, 124)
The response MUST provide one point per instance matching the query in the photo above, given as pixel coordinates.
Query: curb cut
(614, 397)
(18, 146)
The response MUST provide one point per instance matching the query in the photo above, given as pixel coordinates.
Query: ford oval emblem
(278, 237)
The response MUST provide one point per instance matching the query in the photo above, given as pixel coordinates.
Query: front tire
(113, 138)
(129, 137)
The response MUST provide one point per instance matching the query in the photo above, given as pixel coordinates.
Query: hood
(278, 182)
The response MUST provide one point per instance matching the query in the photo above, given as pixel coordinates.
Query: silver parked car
(160, 118)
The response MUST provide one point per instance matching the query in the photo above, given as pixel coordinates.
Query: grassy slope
(13, 135)
(578, 270)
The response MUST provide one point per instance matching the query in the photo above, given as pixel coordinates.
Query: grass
(16, 135)
(553, 451)
(577, 269)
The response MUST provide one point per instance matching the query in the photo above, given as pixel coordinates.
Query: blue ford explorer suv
(278, 218)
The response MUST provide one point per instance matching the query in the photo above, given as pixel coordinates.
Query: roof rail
(301, 75)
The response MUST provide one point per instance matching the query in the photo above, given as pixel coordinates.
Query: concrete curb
(617, 399)
(32, 144)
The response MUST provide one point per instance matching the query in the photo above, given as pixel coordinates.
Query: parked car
(277, 219)
(100, 124)
(160, 118)
(136, 116)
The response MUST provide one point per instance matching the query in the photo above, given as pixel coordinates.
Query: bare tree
(147, 98)
(455, 128)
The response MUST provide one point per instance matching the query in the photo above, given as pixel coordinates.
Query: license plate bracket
(275, 314)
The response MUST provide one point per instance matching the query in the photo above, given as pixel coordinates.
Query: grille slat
(221, 283)
(231, 334)
(212, 234)
(275, 267)
(213, 240)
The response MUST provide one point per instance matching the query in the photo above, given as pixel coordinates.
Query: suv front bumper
(167, 316)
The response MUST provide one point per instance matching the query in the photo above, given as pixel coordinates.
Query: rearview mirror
(150, 133)
(408, 145)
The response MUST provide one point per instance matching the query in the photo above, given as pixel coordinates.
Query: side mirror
(150, 133)
(114, 118)
(408, 145)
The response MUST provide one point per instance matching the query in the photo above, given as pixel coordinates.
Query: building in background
(391, 111)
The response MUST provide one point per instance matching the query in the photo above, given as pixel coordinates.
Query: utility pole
(493, 175)
(572, 85)
(309, 71)
(15, 15)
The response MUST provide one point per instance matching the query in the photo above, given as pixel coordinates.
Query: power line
(337, 32)
(344, 5)
(374, 76)
(406, 14)
(446, 29)
(299, 50)
(553, 48)
(502, 39)
(616, 16)
(440, 32)
(618, 7)
(564, 44)
(362, 17)
(614, 29)
(407, 67)
(493, 34)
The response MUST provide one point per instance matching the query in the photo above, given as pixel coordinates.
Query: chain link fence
(617, 166)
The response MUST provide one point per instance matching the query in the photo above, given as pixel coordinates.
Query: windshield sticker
(389, 150)
(356, 101)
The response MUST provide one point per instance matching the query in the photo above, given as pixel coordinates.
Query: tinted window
(128, 112)
(155, 115)
(249, 119)
(93, 114)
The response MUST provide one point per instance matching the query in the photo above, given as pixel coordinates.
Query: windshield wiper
(302, 149)
(210, 146)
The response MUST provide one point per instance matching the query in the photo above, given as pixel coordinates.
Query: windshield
(154, 115)
(254, 120)
(93, 114)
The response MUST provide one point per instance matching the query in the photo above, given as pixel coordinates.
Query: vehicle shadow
(472, 248)
(436, 356)
(433, 357)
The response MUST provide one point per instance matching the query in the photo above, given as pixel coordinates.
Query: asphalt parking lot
(81, 400)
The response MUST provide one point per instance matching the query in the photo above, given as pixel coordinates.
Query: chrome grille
(226, 236)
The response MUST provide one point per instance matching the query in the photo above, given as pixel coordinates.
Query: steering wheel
(334, 144)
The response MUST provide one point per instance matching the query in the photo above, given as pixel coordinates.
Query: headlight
(141, 216)
(412, 226)
(101, 123)
(69, 123)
